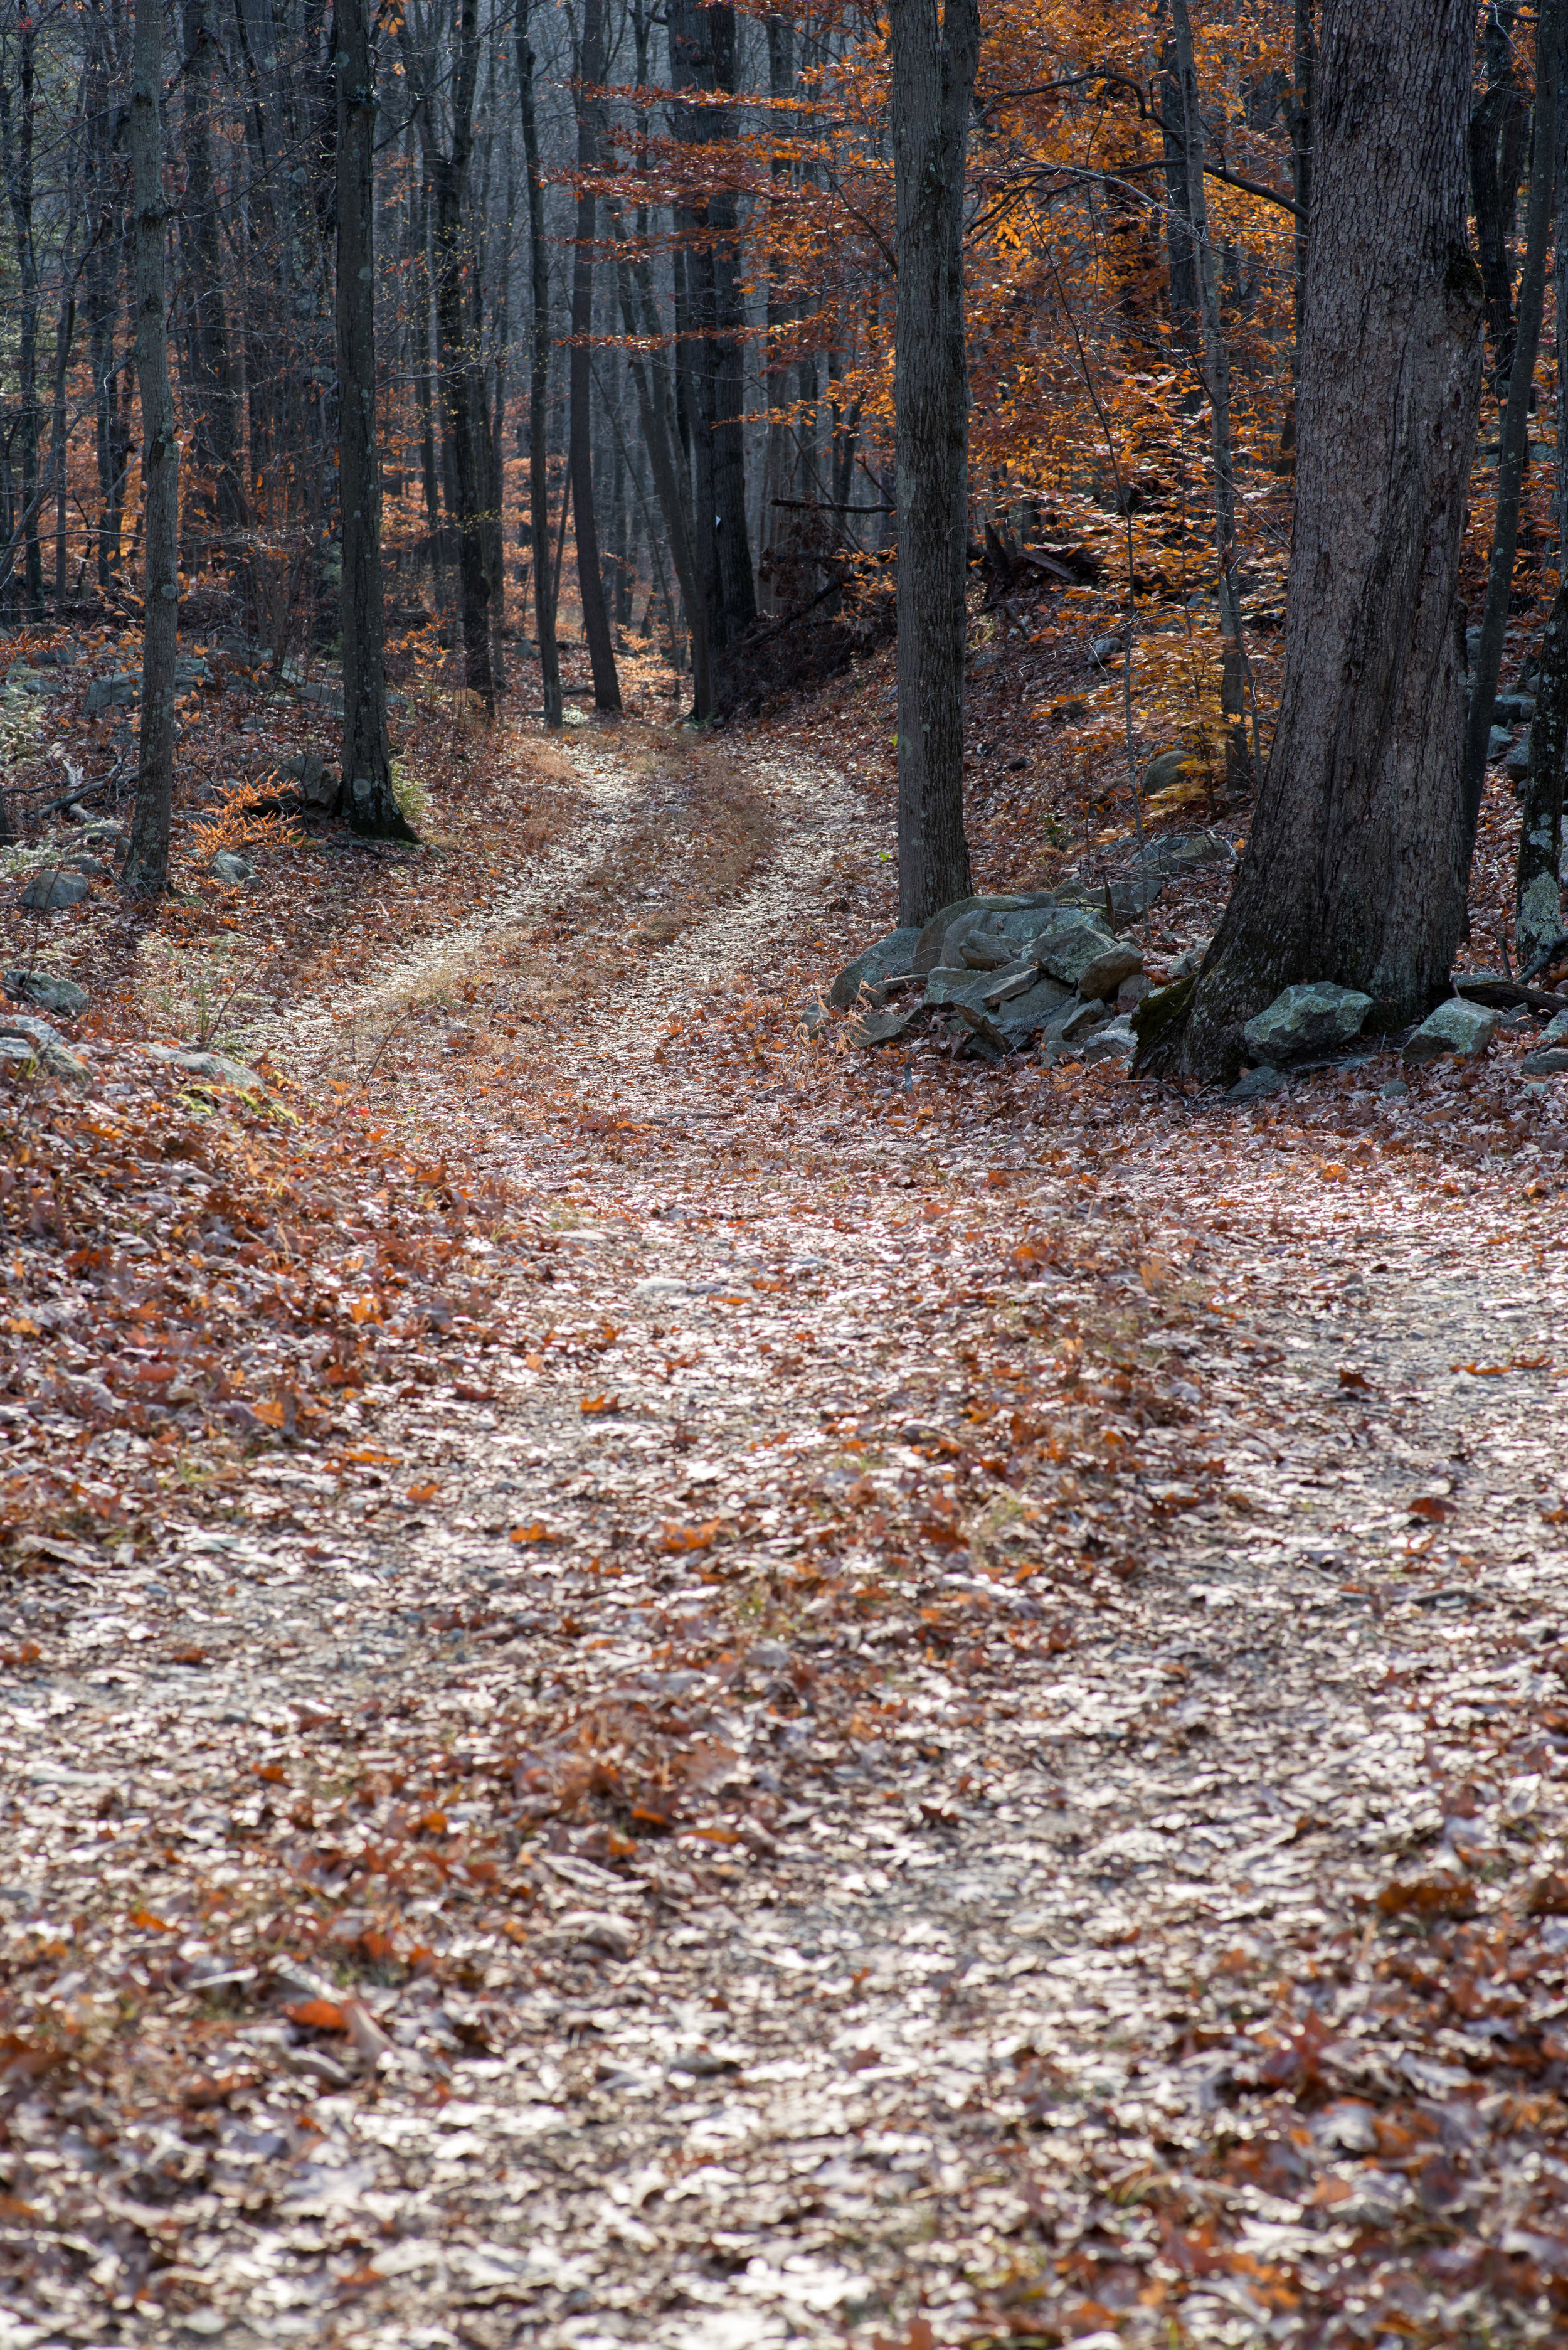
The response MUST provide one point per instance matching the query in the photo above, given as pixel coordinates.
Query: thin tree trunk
(146, 860)
(16, 145)
(590, 579)
(1217, 386)
(1538, 890)
(1302, 124)
(538, 384)
(933, 81)
(1495, 137)
(215, 436)
(1514, 437)
(367, 801)
(656, 407)
(1354, 869)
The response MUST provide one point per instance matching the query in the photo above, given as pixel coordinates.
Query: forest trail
(808, 1873)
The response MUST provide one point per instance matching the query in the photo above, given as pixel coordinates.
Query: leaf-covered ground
(666, 1686)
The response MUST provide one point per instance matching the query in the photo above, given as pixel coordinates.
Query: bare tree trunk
(16, 145)
(1217, 386)
(1513, 440)
(1538, 890)
(1354, 867)
(1496, 136)
(367, 801)
(147, 861)
(933, 80)
(538, 384)
(590, 579)
(1301, 118)
(215, 435)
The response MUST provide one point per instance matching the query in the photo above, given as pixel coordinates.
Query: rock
(216, 1068)
(1514, 709)
(1189, 965)
(16, 1050)
(91, 866)
(1546, 1061)
(896, 952)
(882, 1028)
(1395, 1091)
(947, 988)
(929, 948)
(972, 943)
(41, 987)
(1170, 767)
(1023, 1016)
(1256, 1085)
(25, 1037)
(1556, 1029)
(228, 866)
(1081, 1020)
(1465, 1029)
(1184, 852)
(1132, 991)
(1304, 1019)
(1498, 743)
(116, 692)
(1017, 978)
(1114, 1041)
(1105, 649)
(1517, 764)
(1080, 950)
(50, 889)
(812, 1019)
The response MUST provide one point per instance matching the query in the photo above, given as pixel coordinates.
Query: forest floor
(662, 1685)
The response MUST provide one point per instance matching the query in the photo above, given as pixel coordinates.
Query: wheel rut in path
(929, 1995)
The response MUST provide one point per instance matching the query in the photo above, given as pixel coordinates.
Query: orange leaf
(366, 1455)
(269, 1414)
(691, 1538)
(601, 1403)
(1430, 1505)
(191, 1656)
(366, 1308)
(1483, 1370)
(150, 1923)
(536, 1533)
(318, 2015)
(423, 1493)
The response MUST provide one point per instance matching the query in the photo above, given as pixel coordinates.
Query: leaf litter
(862, 1699)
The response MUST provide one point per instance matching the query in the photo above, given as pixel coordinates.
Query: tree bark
(1538, 891)
(1302, 119)
(933, 81)
(656, 407)
(449, 175)
(367, 801)
(590, 579)
(17, 146)
(146, 860)
(1514, 438)
(1354, 868)
(538, 384)
(1495, 139)
(215, 436)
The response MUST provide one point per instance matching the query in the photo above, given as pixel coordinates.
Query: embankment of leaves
(189, 1276)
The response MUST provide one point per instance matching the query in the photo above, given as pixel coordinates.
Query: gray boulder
(216, 1068)
(1556, 1029)
(228, 866)
(1256, 1085)
(883, 1027)
(948, 987)
(1465, 1029)
(1516, 764)
(1077, 949)
(93, 867)
(972, 943)
(1170, 767)
(890, 956)
(1306, 1019)
(1514, 709)
(1114, 1041)
(40, 987)
(1008, 1025)
(813, 1018)
(929, 950)
(313, 783)
(50, 889)
(25, 1037)
(116, 692)
(1546, 1061)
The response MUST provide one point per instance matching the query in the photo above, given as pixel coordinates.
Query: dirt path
(843, 1896)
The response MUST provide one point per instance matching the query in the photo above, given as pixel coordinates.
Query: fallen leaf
(318, 2015)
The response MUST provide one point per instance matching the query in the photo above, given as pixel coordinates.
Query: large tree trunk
(933, 79)
(1514, 438)
(367, 800)
(1354, 869)
(538, 384)
(590, 579)
(146, 860)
